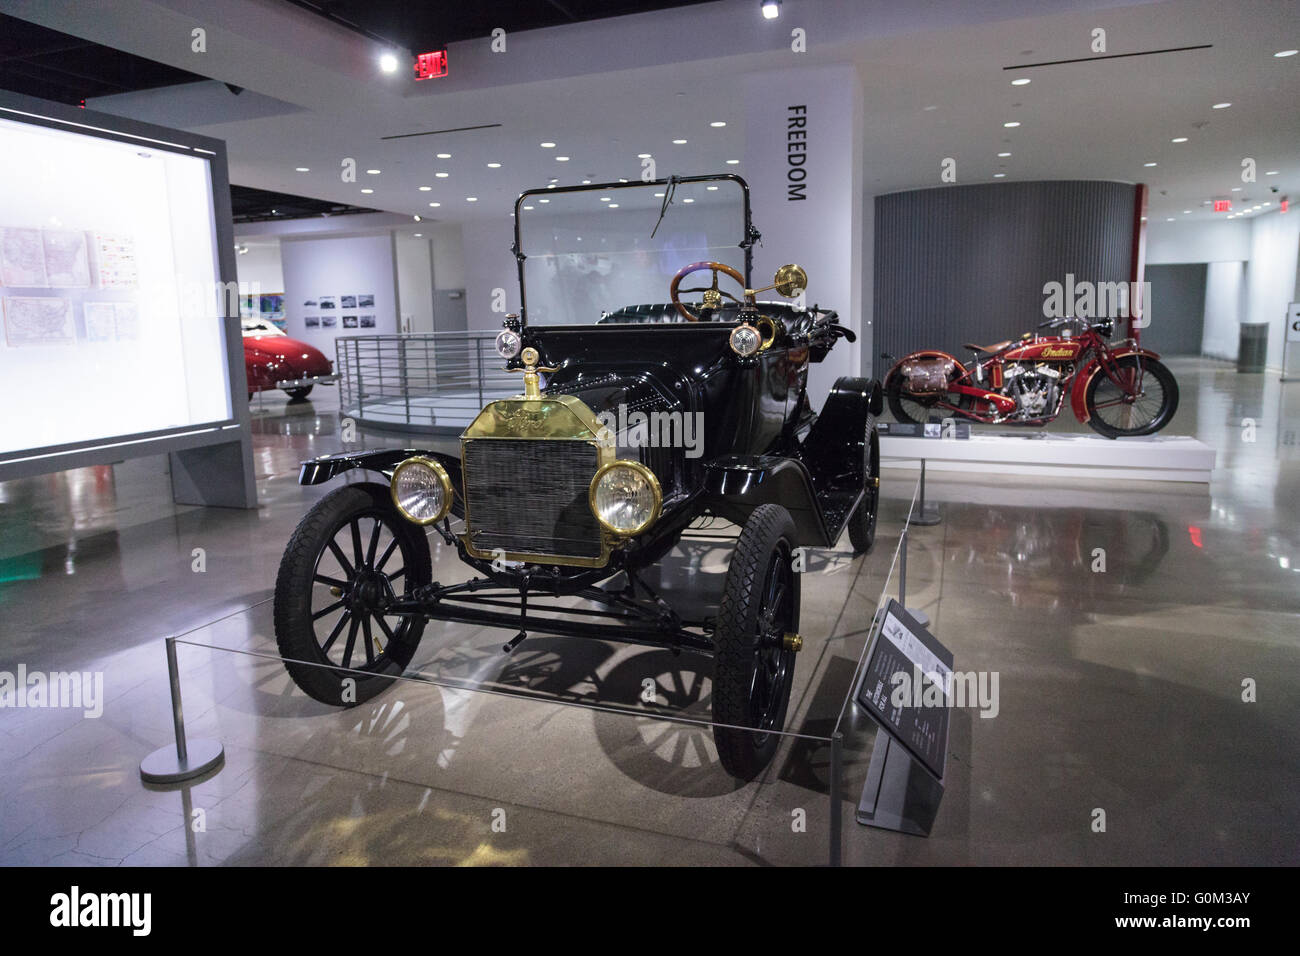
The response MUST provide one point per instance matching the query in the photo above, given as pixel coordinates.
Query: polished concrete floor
(1119, 691)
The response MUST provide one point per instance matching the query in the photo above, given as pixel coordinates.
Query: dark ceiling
(57, 66)
(424, 25)
(260, 205)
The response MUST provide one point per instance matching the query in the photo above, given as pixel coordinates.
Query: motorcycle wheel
(1110, 415)
(753, 670)
(344, 556)
(906, 408)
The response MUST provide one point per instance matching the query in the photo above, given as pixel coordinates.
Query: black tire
(357, 520)
(1110, 416)
(298, 394)
(752, 669)
(862, 526)
(906, 408)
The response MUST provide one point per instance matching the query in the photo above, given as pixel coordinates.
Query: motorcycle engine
(1036, 389)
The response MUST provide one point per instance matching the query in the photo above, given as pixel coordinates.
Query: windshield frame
(749, 237)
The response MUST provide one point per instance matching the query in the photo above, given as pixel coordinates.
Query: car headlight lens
(625, 497)
(745, 340)
(508, 343)
(421, 490)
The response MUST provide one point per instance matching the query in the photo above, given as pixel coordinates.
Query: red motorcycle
(1118, 389)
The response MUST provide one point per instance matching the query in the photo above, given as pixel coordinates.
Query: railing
(437, 382)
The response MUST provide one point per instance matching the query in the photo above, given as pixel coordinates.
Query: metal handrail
(431, 382)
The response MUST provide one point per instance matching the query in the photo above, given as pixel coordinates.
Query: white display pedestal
(1154, 458)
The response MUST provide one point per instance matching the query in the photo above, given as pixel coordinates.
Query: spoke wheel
(753, 670)
(907, 408)
(862, 526)
(1144, 404)
(348, 559)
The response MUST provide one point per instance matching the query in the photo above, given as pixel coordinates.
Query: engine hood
(289, 353)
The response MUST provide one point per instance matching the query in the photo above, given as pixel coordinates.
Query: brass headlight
(745, 340)
(625, 497)
(421, 490)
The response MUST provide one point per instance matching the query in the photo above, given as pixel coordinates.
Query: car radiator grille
(530, 496)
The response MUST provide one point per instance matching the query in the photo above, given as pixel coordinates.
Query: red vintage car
(273, 360)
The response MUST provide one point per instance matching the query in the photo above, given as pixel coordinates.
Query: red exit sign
(430, 65)
(1222, 205)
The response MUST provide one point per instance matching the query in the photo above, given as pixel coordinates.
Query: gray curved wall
(968, 263)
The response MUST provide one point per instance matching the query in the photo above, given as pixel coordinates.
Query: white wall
(261, 265)
(1271, 275)
(489, 265)
(336, 267)
(415, 281)
(448, 255)
(1198, 241)
(1225, 291)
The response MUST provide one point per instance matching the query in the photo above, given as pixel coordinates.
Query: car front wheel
(753, 664)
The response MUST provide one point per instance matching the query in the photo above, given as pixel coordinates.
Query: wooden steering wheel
(712, 295)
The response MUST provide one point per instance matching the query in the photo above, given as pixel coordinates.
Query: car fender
(835, 445)
(1079, 391)
(317, 471)
(737, 484)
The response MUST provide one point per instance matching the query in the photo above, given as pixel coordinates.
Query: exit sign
(1222, 205)
(430, 65)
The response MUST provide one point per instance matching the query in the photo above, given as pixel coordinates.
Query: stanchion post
(924, 515)
(188, 759)
(902, 568)
(837, 771)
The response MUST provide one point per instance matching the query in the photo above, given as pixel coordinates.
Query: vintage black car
(557, 500)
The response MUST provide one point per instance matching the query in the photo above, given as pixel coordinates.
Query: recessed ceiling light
(928, 109)
(606, 199)
(679, 142)
(372, 172)
(1003, 155)
(418, 235)
(998, 175)
(659, 195)
(388, 63)
(1187, 212)
(547, 145)
(1271, 172)
(417, 218)
(717, 124)
(561, 159)
(586, 182)
(494, 165)
(712, 189)
(471, 199)
(642, 155)
(1236, 189)
(543, 200)
(1280, 53)
(367, 190)
(301, 169)
(733, 162)
(435, 205)
(425, 189)
(612, 205)
(1148, 164)
(1170, 219)
(528, 207)
(442, 175)
(549, 186)
(688, 200)
(1012, 125)
(771, 9)
(1220, 106)
(1023, 81)
(1179, 139)
(444, 155)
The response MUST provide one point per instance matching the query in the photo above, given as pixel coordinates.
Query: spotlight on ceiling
(771, 9)
(388, 62)
(417, 218)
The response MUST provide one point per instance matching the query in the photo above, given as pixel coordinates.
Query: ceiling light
(425, 189)
(418, 235)
(1236, 189)
(494, 165)
(772, 10)
(435, 205)
(416, 218)
(642, 155)
(543, 200)
(528, 207)
(547, 145)
(612, 205)
(717, 124)
(1220, 106)
(712, 189)
(1148, 164)
(659, 195)
(388, 63)
(364, 191)
(1012, 125)
(733, 162)
(444, 155)
(998, 175)
(586, 182)
(1271, 172)
(605, 199)
(1281, 53)
(1179, 139)
(1170, 219)
(561, 159)
(442, 175)
(679, 142)
(372, 172)
(622, 180)
(549, 186)
(688, 200)
(301, 169)
(471, 199)
(1003, 155)
(275, 212)
(928, 109)
(1023, 81)
(1187, 212)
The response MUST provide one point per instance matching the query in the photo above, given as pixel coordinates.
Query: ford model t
(635, 422)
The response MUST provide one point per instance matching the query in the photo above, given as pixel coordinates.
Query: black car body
(570, 489)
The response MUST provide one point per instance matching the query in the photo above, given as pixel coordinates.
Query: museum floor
(1119, 690)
